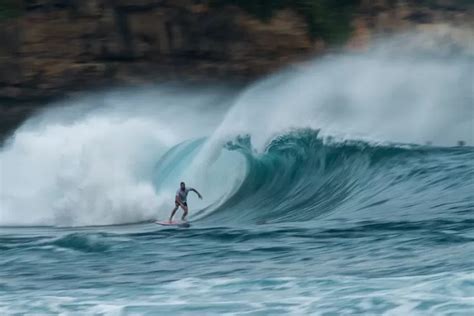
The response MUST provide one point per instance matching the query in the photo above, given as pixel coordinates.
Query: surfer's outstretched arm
(195, 191)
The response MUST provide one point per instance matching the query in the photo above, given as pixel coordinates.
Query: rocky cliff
(50, 47)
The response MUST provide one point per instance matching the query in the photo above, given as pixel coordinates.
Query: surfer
(180, 200)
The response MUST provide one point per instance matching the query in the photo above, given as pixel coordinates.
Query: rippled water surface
(339, 267)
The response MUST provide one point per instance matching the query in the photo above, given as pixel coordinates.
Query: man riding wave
(180, 200)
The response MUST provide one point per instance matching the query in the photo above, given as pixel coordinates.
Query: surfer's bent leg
(184, 206)
(174, 210)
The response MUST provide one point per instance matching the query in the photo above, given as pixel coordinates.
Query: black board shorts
(177, 204)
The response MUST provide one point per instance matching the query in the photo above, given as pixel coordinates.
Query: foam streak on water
(381, 268)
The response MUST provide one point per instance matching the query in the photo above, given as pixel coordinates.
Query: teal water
(313, 229)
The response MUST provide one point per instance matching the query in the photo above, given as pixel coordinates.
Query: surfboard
(173, 224)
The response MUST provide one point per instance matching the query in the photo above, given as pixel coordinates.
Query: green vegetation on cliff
(9, 9)
(445, 4)
(326, 19)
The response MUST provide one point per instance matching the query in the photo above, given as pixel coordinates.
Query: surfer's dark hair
(182, 183)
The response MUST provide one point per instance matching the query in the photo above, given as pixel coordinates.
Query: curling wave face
(299, 178)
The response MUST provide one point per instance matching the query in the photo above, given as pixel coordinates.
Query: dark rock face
(63, 45)
(57, 46)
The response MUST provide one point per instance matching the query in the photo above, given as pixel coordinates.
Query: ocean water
(320, 196)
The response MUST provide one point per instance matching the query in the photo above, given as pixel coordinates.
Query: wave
(310, 142)
(299, 177)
